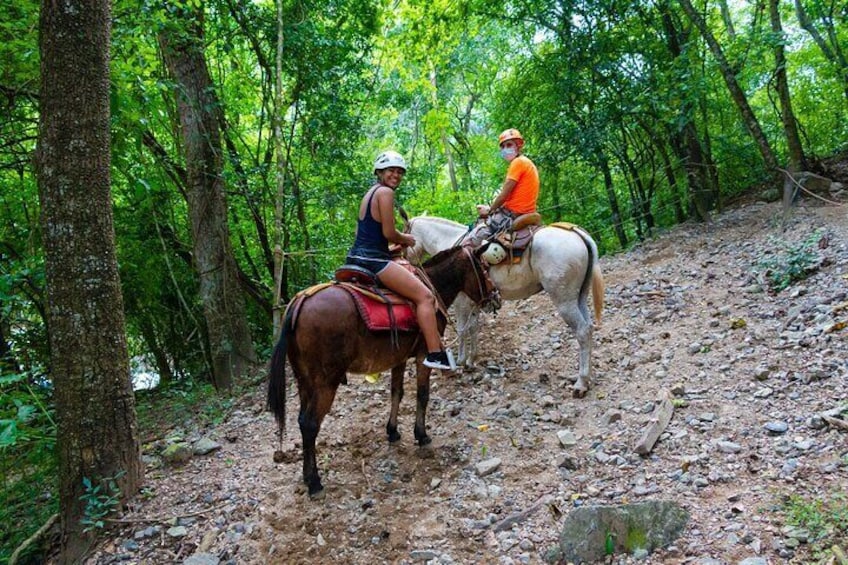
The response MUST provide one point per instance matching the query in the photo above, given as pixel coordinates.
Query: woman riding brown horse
(330, 339)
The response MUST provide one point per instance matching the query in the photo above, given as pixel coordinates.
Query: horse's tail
(594, 277)
(597, 291)
(277, 375)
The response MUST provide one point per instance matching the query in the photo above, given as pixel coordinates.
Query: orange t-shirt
(522, 199)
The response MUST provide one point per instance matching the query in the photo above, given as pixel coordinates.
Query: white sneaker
(439, 360)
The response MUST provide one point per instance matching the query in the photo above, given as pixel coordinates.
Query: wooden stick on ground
(835, 422)
(518, 517)
(839, 555)
(659, 420)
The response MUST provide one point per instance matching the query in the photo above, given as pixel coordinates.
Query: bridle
(488, 291)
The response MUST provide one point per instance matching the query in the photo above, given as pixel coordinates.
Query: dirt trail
(682, 311)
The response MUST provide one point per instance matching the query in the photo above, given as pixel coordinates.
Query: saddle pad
(296, 302)
(375, 311)
(564, 225)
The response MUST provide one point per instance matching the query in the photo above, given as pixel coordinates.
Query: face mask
(508, 153)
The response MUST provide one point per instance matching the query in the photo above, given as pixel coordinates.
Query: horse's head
(482, 290)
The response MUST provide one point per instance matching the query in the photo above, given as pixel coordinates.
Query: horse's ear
(482, 249)
(403, 215)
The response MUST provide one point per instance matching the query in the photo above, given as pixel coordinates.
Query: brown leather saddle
(379, 307)
(517, 239)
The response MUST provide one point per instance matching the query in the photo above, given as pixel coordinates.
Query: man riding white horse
(518, 194)
(562, 259)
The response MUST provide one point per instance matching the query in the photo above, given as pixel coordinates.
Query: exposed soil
(686, 310)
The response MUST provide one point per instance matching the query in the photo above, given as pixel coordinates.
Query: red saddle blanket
(377, 314)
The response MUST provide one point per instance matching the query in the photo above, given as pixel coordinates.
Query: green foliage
(824, 517)
(24, 416)
(185, 403)
(609, 543)
(430, 79)
(796, 263)
(636, 538)
(28, 465)
(101, 499)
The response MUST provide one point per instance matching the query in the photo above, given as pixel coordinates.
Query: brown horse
(331, 340)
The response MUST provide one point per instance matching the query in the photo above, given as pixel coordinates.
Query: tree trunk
(280, 175)
(641, 194)
(683, 137)
(231, 347)
(603, 163)
(444, 133)
(736, 92)
(671, 179)
(688, 148)
(835, 55)
(554, 191)
(727, 19)
(8, 364)
(787, 116)
(160, 355)
(97, 438)
(709, 162)
(451, 165)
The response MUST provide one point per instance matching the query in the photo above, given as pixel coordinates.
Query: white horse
(562, 262)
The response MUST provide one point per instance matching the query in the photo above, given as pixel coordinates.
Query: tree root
(33, 538)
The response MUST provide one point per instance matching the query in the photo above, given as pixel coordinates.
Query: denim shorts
(361, 258)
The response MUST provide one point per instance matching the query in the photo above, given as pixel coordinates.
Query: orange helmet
(508, 134)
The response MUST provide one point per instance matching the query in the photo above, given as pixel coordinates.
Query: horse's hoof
(281, 456)
(394, 437)
(579, 393)
(316, 491)
(422, 441)
(425, 452)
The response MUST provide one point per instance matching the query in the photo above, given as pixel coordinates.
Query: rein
(425, 278)
(478, 275)
(483, 294)
(463, 236)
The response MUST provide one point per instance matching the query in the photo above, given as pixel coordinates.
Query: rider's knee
(426, 299)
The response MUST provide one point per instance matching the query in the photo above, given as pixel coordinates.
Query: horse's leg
(467, 326)
(315, 402)
(472, 335)
(423, 382)
(397, 396)
(577, 318)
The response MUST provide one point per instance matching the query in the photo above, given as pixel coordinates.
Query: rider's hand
(483, 210)
(409, 240)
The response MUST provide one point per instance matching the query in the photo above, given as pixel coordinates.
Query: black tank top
(369, 234)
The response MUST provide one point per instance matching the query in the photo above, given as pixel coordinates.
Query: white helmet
(494, 254)
(388, 159)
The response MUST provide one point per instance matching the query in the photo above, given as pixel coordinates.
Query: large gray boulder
(590, 533)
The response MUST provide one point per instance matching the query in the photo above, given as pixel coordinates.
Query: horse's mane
(438, 220)
(440, 257)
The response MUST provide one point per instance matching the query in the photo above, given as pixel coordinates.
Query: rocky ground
(688, 311)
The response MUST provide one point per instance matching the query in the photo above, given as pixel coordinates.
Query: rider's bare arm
(385, 198)
(506, 189)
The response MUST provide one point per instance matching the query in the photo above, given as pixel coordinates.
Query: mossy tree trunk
(97, 438)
